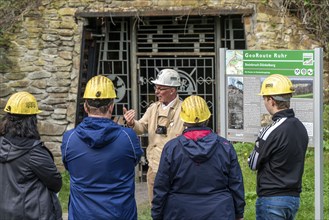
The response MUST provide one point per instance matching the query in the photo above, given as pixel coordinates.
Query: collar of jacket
(196, 133)
(174, 106)
(283, 114)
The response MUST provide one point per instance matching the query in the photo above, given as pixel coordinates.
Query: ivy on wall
(11, 11)
(314, 16)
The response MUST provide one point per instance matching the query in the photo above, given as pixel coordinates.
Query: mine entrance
(131, 51)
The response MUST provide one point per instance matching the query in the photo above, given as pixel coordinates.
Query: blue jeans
(277, 207)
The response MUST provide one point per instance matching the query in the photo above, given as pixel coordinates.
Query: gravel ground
(140, 194)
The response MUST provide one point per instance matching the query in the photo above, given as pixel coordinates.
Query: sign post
(318, 134)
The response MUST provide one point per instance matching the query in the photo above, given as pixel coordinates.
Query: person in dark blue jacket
(199, 177)
(100, 157)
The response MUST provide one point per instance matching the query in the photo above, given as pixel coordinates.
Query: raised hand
(129, 115)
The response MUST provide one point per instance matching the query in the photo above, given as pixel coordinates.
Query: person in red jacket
(199, 177)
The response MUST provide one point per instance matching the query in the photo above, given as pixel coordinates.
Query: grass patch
(144, 211)
(306, 210)
(65, 191)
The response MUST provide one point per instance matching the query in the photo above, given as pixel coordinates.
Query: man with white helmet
(101, 156)
(279, 154)
(161, 120)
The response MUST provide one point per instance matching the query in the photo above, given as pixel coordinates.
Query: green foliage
(4, 44)
(65, 191)
(326, 123)
(11, 11)
(144, 211)
(326, 145)
(314, 15)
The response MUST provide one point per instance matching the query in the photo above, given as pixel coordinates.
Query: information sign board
(242, 112)
(245, 71)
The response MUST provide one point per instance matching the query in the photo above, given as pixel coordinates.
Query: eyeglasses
(160, 89)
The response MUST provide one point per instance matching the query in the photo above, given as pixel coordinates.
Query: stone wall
(45, 49)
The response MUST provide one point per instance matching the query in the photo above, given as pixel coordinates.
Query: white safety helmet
(167, 77)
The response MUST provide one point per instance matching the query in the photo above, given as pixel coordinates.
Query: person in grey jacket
(29, 177)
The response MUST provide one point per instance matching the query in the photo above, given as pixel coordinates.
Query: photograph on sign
(235, 102)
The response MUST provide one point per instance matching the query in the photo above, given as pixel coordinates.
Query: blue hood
(98, 132)
(202, 149)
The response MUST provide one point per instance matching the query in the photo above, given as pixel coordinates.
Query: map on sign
(234, 64)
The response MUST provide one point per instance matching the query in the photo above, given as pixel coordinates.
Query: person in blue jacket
(199, 177)
(100, 157)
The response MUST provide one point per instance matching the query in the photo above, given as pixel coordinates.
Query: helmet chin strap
(280, 98)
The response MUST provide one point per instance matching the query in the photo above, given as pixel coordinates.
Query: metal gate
(197, 76)
(186, 44)
(131, 51)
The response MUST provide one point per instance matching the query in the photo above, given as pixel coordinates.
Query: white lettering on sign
(257, 55)
(280, 55)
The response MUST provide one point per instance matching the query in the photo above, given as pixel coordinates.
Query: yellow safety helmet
(22, 103)
(99, 87)
(194, 110)
(276, 84)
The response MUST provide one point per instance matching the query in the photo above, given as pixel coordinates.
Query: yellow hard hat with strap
(99, 87)
(276, 84)
(22, 103)
(194, 110)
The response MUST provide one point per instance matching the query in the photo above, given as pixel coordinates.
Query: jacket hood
(98, 132)
(199, 143)
(12, 148)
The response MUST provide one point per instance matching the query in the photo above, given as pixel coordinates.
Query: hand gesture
(129, 115)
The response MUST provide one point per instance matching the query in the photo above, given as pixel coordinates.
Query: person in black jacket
(29, 177)
(279, 154)
(199, 177)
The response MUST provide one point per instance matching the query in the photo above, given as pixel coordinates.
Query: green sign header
(285, 62)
